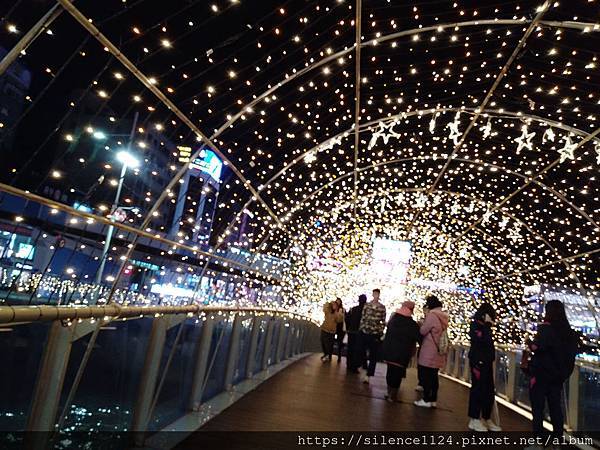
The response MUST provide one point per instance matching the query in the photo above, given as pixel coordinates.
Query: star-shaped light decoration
(568, 150)
(436, 200)
(514, 234)
(432, 123)
(524, 140)
(486, 129)
(385, 132)
(503, 223)
(485, 219)
(455, 208)
(420, 201)
(454, 133)
(548, 136)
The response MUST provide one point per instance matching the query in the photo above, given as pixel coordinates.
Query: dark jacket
(483, 351)
(400, 340)
(353, 318)
(553, 356)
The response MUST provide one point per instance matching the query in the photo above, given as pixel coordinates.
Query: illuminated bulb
(56, 174)
(165, 43)
(12, 28)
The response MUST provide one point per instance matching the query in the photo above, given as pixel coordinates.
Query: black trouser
(339, 338)
(352, 351)
(540, 391)
(419, 374)
(370, 344)
(481, 398)
(327, 342)
(431, 384)
(394, 376)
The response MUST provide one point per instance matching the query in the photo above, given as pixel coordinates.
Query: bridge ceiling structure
(478, 130)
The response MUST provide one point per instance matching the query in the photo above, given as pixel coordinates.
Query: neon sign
(209, 163)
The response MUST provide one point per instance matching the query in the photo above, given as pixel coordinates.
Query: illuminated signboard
(209, 163)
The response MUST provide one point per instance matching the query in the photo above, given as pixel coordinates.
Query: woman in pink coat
(430, 360)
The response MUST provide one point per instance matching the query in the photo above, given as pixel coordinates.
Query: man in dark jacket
(399, 346)
(554, 348)
(352, 324)
(481, 359)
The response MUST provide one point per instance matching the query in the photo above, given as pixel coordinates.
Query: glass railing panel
(105, 398)
(589, 399)
(502, 363)
(260, 346)
(217, 359)
(274, 342)
(22, 349)
(174, 397)
(242, 358)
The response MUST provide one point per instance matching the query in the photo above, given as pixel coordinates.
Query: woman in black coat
(481, 359)
(399, 346)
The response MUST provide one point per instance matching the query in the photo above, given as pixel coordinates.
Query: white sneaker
(419, 389)
(491, 426)
(422, 403)
(477, 425)
(433, 404)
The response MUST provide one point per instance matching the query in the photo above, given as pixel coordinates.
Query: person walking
(333, 316)
(340, 329)
(432, 355)
(399, 345)
(419, 387)
(353, 317)
(553, 353)
(372, 324)
(482, 355)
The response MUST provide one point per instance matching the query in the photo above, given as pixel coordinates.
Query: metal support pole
(202, 354)
(49, 383)
(573, 401)
(268, 342)
(29, 37)
(147, 385)
(233, 352)
(256, 323)
(111, 229)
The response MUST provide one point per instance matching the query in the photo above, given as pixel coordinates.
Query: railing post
(256, 322)
(268, 343)
(280, 341)
(466, 376)
(202, 353)
(455, 369)
(233, 352)
(147, 385)
(573, 403)
(49, 383)
(511, 382)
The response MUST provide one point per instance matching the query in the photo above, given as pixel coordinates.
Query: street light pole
(114, 207)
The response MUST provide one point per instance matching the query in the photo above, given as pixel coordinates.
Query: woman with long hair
(482, 355)
(333, 316)
(553, 353)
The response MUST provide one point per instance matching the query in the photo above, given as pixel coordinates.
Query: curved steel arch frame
(430, 111)
(475, 199)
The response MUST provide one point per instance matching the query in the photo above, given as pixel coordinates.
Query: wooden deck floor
(314, 396)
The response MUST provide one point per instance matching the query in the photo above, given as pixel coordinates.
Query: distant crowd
(548, 359)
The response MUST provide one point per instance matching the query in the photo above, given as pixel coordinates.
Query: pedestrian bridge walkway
(313, 396)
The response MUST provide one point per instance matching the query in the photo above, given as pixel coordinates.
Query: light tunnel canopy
(477, 126)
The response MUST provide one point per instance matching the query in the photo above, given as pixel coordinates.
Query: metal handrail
(45, 313)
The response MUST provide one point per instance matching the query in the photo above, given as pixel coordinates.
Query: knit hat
(406, 309)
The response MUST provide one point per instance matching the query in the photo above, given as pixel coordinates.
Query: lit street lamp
(127, 160)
